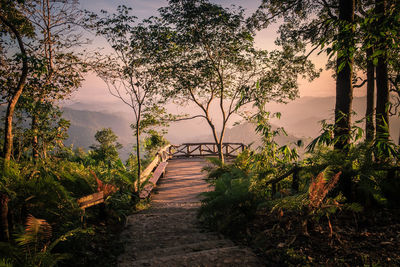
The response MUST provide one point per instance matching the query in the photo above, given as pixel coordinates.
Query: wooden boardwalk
(168, 233)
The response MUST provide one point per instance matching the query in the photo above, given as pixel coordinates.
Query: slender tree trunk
(344, 87)
(382, 81)
(217, 141)
(221, 140)
(220, 151)
(139, 164)
(369, 114)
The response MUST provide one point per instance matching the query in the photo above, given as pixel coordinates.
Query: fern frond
(36, 230)
(107, 189)
(320, 187)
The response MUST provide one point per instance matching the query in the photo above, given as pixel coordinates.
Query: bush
(232, 203)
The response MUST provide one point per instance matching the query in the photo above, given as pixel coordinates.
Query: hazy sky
(93, 86)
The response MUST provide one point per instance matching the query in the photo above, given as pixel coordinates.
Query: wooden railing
(162, 155)
(275, 186)
(205, 149)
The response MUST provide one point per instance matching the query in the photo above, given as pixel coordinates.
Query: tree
(212, 59)
(107, 150)
(131, 72)
(58, 69)
(15, 25)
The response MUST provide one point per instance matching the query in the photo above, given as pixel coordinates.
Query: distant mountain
(246, 133)
(85, 124)
(300, 118)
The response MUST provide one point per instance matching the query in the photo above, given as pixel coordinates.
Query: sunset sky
(323, 86)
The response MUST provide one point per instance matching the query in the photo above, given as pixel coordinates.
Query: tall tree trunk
(139, 164)
(8, 136)
(221, 140)
(382, 80)
(369, 114)
(344, 87)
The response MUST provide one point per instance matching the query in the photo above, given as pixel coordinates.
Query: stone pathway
(168, 233)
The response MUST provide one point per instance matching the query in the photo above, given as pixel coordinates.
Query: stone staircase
(168, 234)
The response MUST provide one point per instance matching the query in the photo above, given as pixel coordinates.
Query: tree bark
(369, 114)
(344, 86)
(382, 80)
(8, 136)
(220, 151)
(218, 142)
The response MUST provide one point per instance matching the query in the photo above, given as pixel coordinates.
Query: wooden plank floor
(183, 181)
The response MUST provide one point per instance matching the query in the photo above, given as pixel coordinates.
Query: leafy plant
(231, 205)
(34, 247)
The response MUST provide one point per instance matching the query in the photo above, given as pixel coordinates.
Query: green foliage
(232, 203)
(107, 150)
(5, 263)
(153, 142)
(49, 189)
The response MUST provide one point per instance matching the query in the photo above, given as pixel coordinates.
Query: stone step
(184, 249)
(162, 216)
(161, 242)
(162, 233)
(169, 210)
(162, 225)
(162, 207)
(227, 256)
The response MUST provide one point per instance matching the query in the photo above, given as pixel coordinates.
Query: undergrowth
(338, 191)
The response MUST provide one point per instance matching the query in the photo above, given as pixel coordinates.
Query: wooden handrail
(205, 149)
(280, 178)
(162, 155)
(208, 143)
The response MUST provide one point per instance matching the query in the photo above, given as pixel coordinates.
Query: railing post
(226, 149)
(188, 150)
(201, 152)
(295, 181)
